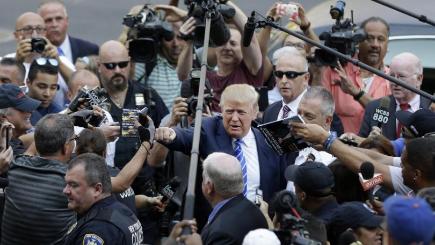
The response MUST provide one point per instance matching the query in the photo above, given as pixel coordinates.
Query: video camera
(343, 37)
(218, 11)
(146, 31)
(292, 226)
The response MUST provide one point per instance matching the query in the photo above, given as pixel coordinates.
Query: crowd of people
(95, 146)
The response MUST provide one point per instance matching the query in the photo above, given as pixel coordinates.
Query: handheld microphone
(249, 30)
(168, 191)
(368, 178)
(382, 114)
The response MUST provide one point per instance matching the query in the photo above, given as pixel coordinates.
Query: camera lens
(38, 45)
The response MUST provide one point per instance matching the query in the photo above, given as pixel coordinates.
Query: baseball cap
(314, 178)
(409, 219)
(12, 96)
(354, 215)
(419, 122)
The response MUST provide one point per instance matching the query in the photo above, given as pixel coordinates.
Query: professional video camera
(292, 226)
(192, 94)
(147, 29)
(167, 190)
(344, 37)
(218, 11)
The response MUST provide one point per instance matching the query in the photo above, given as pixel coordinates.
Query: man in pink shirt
(352, 87)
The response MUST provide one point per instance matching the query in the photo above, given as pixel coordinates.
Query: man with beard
(352, 87)
(114, 69)
(406, 67)
(56, 21)
(236, 64)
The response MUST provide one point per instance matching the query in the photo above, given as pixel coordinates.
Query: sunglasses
(112, 65)
(46, 61)
(288, 74)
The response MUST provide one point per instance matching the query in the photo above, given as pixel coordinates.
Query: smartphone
(258, 197)
(7, 138)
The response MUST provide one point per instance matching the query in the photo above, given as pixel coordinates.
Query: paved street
(94, 20)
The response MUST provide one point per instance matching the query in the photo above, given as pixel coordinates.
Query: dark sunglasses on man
(112, 65)
(288, 74)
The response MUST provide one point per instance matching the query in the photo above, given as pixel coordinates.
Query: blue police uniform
(106, 222)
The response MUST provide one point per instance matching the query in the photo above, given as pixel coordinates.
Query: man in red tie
(406, 67)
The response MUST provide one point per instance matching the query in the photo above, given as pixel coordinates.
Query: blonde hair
(240, 93)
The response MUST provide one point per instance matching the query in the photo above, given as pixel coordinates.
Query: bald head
(29, 20)
(113, 50)
(225, 172)
(114, 66)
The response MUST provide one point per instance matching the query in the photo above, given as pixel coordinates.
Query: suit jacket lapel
(261, 155)
(74, 48)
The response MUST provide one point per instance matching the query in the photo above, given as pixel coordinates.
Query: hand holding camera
(6, 152)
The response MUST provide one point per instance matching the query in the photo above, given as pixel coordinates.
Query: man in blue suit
(56, 21)
(239, 103)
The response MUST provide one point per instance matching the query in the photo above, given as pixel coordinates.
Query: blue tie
(239, 155)
(60, 51)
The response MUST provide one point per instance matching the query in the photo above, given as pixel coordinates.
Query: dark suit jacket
(272, 111)
(80, 48)
(214, 138)
(389, 129)
(232, 222)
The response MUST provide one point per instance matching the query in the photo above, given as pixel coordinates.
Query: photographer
(159, 72)
(30, 32)
(353, 88)
(236, 64)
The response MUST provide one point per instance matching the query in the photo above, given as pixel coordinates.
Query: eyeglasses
(401, 76)
(112, 65)
(29, 30)
(299, 46)
(46, 61)
(288, 74)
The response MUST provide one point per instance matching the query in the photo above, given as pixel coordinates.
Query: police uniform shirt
(106, 222)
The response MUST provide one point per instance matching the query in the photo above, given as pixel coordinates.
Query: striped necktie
(60, 51)
(238, 152)
(285, 111)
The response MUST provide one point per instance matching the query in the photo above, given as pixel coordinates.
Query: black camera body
(89, 97)
(192, 94)
(146, 32)
(292, 229)
(38, 44)
(343, 37)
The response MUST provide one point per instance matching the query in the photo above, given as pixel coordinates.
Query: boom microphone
(249, 30)
(382, 114)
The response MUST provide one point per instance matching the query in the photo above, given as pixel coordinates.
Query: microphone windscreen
(367, 170)
(219, 32)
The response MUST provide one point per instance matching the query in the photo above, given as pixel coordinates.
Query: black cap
(420, 122)
(12, 96)
(314, 178)
(354, 215)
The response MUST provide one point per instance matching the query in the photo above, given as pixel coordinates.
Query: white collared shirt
(249, 148)
(66, 49)
(293, 105)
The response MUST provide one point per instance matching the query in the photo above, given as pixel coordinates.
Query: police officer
(101, 219)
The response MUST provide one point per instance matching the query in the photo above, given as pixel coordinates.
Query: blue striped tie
(239, 155)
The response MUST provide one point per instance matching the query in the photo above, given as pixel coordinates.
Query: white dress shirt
(249, 148)
(293, 105)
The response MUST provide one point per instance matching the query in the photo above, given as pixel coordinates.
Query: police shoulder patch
(92, 239)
